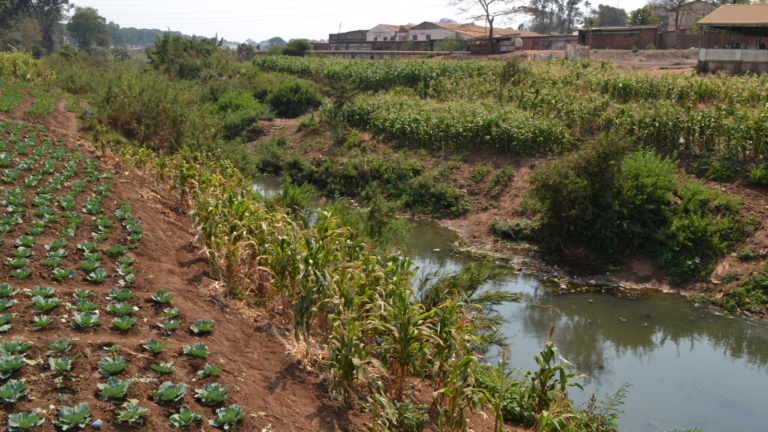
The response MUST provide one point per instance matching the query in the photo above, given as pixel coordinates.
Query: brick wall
(669, 40)
(642, 39)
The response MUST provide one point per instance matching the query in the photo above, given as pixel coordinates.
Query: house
(740, 33)
(627, 37)
(438, 31)
(351, 40)
(387, 32)
(688, 14)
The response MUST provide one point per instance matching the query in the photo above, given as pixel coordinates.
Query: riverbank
(470, 173)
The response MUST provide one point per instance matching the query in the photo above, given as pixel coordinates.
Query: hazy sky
(238, 20)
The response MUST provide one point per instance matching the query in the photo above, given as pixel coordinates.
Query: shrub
(410, 417)
(236, 101)
(142, 104)
(307, 124)
(297, 48)
(757, 175)
(479, 172)
(244, 124)
(513, 230)
(295, 98)
(718, 171)
(617, 202)
(500, 179)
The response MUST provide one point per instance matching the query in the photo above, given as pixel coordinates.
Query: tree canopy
(609, 16)
(88, 28)
(296, 48)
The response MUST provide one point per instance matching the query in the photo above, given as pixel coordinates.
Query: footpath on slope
(257, 367)
(262, 378)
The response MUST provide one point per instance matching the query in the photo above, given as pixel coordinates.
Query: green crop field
(547, 105)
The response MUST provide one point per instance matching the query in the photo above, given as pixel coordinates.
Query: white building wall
(435, 34)
(380, 33)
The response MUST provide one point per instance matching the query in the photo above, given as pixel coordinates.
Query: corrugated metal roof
(394, 28)
(472, 30)
(749, 15)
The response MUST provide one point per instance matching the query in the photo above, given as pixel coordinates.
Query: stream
(689, 366)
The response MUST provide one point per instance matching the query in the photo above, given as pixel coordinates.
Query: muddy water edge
(689, 366)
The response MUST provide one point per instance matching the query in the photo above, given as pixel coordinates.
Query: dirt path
(259, 370)
(262, 377)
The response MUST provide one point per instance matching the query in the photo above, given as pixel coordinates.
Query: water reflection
(688, 366)
(267, 186)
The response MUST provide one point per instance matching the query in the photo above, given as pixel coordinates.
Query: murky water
(267, 186)
(688, 366)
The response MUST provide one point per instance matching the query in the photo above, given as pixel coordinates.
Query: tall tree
(669, 7)
(554, 16)
(87, 27)
(608, 16)
(489, 11)
(48, 14)
(644, 16)
(116, 34)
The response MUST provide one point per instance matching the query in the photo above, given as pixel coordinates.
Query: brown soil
(581, 267)
(262, 376)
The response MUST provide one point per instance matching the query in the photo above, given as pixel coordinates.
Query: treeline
(40, 27)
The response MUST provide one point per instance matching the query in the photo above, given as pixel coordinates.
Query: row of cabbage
(11, 95)
(35, 171)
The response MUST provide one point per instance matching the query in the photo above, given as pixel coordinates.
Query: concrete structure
(688, 14)
(745, 28)
(732, 60)
(378, 55)
(387, 37)
(386, 32)
(551, 42)
(439, 31)
(348, 40)
(619, 37)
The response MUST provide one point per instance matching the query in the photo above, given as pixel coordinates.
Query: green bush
(410, 417)
(243, 123)
(749, 295)
(512, 407)
(293, 99)
(479, 172)
(758, 175)
(237, 101)
(307, 124)
(718, 171)
(297, 48)
(618, 202)
(500, 180)
(514, 230)
(141, 104)
(398, 179)
(260, 84)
